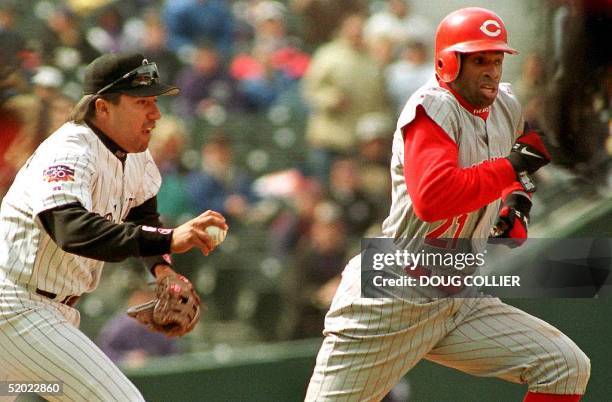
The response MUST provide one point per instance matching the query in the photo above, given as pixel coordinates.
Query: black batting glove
(527, 156)
(513, 220)
(529, 153)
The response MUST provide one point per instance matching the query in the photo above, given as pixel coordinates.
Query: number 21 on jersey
(441, 237)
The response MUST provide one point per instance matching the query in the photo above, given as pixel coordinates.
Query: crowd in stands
(283, 124)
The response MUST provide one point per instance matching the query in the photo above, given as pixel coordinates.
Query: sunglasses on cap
(145, 75)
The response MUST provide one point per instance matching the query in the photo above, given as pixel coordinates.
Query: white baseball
(216, 234)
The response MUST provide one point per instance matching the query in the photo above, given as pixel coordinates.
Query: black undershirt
(81, 232)
(78, 231)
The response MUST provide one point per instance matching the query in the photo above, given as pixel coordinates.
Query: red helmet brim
(485, 45)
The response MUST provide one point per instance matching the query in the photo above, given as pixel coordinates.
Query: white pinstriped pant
(40, 341)
(371, 343)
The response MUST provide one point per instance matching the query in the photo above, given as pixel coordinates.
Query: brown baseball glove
(175, 310)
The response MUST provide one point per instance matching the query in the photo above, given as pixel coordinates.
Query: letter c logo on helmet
(485, 28)
(467, 30)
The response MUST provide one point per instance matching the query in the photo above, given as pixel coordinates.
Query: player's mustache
(489, 82)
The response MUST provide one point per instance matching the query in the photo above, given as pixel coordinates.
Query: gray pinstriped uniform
(476, 141)
(371, 343)
(39, 337)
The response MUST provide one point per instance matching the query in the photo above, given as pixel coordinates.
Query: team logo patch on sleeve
(58, 173)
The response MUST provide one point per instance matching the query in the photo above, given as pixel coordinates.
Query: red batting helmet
(467, 30)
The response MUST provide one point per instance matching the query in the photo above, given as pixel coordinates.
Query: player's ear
(101, 106)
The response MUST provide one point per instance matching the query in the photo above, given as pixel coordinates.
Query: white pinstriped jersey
(477, 140)
(72, 165)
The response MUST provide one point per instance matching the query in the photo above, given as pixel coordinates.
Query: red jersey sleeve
(438, 186)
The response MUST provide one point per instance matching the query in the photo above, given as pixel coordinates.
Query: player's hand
(193, 233)
(513, 220)
(529, 153)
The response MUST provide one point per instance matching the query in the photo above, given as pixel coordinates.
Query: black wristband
(517, 162)
(155, 247)
(154, 241)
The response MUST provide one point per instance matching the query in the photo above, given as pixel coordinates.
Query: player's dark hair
(85, 109)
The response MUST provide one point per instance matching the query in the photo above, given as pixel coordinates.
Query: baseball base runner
(458, 155)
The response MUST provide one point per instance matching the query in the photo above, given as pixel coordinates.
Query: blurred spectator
(313, 279)
(7, 17)
(107, 35)
(166, 146)
(274, 64)
(220, 185)
(268, 20)
(148, 36)
(406, 75)
(580, 34)
(382, 50)
(59, 111)
(204, 83)
(38, 112)
(46, 108)
(375, 132)
(342, 83)
(530, 88)
(13, 43)
(48, 83)
(294, 223)
(10, 129)
(10, 123)
(129, 343)
(260, 83)
(63, 43)
(398, 23)
(48, 105)
(190, 22)
(532, 78)
(345, 190)
(320, 18)
(12, 47)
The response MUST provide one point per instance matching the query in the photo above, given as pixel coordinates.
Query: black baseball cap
(126, 73)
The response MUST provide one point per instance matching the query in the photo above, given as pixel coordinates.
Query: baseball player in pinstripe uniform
(460, 169)
(87, 195)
